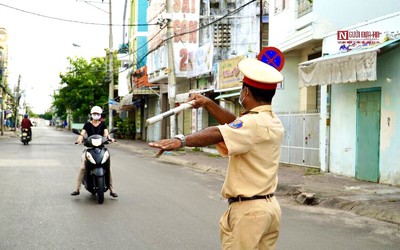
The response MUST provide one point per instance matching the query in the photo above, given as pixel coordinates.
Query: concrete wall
(288, 99)
(343, 13)
(389, 77)
(385, 24)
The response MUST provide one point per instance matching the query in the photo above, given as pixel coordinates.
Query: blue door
(368, 134)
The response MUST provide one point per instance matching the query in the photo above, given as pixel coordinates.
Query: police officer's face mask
(96, 116)
(241, 100)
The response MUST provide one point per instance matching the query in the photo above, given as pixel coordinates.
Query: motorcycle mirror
(76, 131)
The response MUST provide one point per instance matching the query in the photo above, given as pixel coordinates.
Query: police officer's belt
(256, 197)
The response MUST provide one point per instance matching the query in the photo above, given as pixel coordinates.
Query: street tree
(83, 86)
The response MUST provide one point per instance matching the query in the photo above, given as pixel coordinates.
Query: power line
(128, 25)
(190, 31)
(72, 21)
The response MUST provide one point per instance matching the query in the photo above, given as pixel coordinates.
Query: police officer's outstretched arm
(220, 114)
(202, 138)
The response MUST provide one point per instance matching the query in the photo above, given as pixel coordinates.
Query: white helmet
(96, 109)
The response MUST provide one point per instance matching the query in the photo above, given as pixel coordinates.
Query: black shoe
(115, 195)
(75, 193)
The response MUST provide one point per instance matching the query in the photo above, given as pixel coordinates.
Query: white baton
(170, 112)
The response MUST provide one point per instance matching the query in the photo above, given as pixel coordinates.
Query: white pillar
(323, 130)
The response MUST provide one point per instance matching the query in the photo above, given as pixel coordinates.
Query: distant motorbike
(25, 137)
(97, 169)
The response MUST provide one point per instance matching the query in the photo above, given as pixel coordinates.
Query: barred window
(281, 5)
(304, 7)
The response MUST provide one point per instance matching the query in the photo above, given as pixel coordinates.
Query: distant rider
(26, 123)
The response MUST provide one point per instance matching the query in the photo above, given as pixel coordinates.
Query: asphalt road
(160, 206)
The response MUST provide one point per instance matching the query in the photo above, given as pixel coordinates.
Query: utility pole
(16, 106)
(111, 70)
(2, 100)
(171, 66)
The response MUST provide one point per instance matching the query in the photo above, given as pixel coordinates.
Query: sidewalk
(305, 185)
(7, 134)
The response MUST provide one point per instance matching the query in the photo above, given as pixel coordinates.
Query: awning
(130, 102)
(126, 100)
(353, 66)
(223, 96)
(145, 91)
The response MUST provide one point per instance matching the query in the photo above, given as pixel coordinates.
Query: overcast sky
(39, 43)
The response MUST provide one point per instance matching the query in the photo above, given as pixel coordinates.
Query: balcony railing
(304, 7)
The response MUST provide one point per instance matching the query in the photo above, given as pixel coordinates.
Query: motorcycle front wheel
(100, 189)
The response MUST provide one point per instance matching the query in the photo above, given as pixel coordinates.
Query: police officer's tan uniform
(253, 143)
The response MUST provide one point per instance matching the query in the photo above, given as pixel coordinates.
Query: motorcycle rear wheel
(100, 189)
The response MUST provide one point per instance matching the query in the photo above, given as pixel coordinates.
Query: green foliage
(126, 128)
(82, 87)
(312, 171)
(32, 115)
(47, 116)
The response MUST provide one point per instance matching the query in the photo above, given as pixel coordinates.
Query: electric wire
(72, 21)
(162, 27)
(190, 31)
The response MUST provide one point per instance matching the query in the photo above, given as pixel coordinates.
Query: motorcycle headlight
(96, 142)
(90, 158)
(105, 157)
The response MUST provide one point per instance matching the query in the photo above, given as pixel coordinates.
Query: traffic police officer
(252, 142)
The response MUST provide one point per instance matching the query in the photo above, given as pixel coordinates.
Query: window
(304, 7)
(281, 5)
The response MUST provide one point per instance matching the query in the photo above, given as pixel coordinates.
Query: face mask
(96, 117)
(241, 100)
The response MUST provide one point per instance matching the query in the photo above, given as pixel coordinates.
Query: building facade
(195, 47)
(297, 28)
(360, 67)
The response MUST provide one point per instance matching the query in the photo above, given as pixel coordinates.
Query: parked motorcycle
(25, 137)
(97, 169)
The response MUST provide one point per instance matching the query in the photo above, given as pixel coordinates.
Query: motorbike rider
(93, 127)
(26, 123)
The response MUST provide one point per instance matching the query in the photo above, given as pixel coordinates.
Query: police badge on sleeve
(236, 124)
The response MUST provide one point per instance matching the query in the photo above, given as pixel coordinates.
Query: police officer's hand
(200, 100)
(166, 145)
